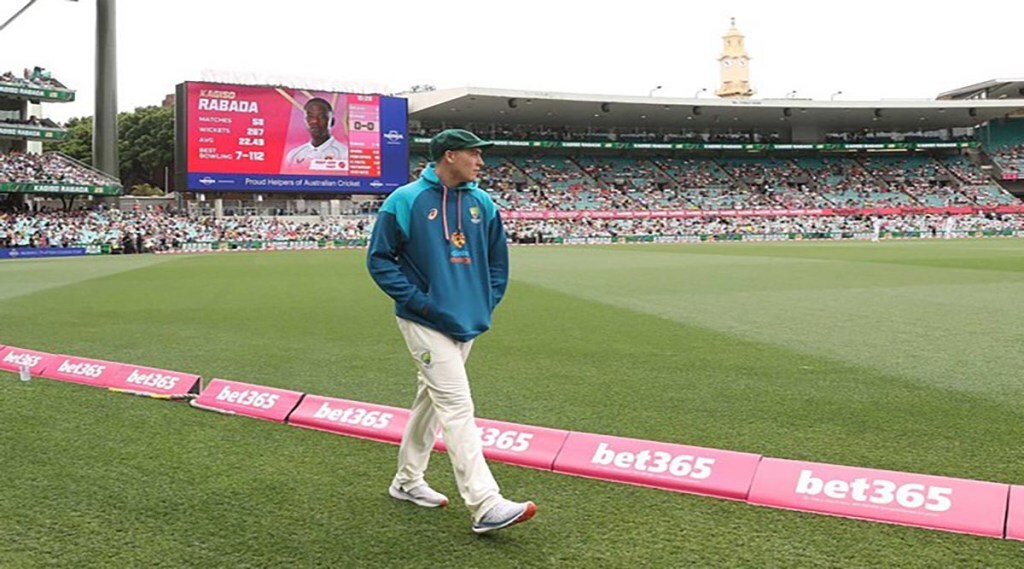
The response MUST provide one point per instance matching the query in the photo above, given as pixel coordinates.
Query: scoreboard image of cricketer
(277, 139)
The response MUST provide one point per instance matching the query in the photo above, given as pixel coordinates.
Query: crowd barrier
(323, 244)
(935, 502)
(761, 237)
(265, 245)
(226, 246)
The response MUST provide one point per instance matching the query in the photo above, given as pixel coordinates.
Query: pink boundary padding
(351, 418)
(522, 445)
(258, 401)
(154, 380)
(695, 470)
(936, 502)
(11, 357)
(1015, 514)
(95, 373)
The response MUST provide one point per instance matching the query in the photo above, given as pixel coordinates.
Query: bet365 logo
(878, 491)
(22, 359)
(657, 462)
(248, 398)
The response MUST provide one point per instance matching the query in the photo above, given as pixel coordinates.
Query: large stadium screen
(276, 139)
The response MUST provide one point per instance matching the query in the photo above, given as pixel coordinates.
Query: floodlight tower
(104, 126)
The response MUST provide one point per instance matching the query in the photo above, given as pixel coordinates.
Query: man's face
(466, 163)
(318, 120)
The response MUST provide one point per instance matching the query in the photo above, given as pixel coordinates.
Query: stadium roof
(991, 89)
(473, 105)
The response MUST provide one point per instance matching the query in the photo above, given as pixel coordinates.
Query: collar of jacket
(429, 175)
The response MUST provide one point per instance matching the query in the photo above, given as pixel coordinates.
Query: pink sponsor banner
(148, 380)
(641, 214)
(960, 210)
(522, 445)
(96, 373)
(1015, 515)
(12, 358)
(659, 214)
(936, 502)
(697, 470)
(352, 418)
(235, 397)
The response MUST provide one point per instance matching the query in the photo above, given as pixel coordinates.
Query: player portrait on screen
(323, 152)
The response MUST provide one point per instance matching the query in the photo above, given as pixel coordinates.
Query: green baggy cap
(454, 139)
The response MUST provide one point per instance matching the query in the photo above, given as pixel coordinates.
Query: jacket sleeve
(382, 262)
(497, 259)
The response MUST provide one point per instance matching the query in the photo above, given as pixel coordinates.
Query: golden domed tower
(735, 66)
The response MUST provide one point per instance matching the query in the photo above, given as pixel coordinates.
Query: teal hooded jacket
(441, 255)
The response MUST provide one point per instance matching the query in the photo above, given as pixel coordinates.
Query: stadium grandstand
(569, 168)
(28, 176)
(654, 158)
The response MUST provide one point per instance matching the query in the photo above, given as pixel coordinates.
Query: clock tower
(734, 66)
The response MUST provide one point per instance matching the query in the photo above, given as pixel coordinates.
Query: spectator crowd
(32, 121)
(545, 231)
(48, 168)
(580, 184)
(1011, 159)
(34, 77)
(665, 135)
(154, 230)
(564, 183)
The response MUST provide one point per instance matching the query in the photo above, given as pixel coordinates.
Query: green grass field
(898, 355)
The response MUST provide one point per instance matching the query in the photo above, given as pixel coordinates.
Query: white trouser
(443, 398)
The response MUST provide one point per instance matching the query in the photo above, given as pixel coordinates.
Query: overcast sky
(867, 49)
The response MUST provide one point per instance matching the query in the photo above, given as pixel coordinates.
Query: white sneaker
(422, 495)
(503, 514)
